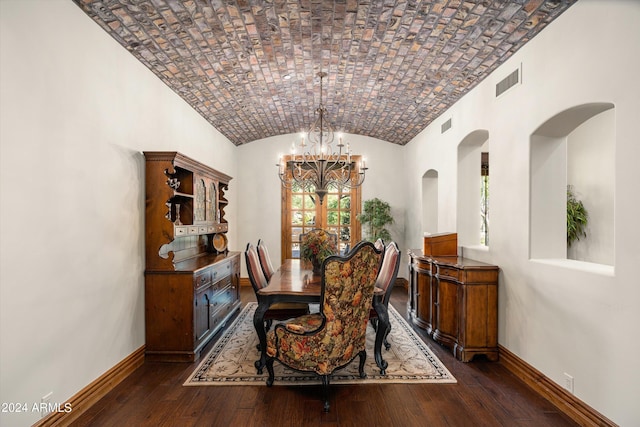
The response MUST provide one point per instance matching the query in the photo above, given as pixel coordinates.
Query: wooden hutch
(455, 300)
(191, 279)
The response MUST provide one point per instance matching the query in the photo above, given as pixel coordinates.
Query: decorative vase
(317, 266)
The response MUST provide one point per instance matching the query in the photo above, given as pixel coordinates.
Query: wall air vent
(445, 126)
(508, 82)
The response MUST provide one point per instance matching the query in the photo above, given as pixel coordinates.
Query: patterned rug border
(198, 377)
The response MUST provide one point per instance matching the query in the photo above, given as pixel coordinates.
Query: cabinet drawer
(448, 272)
(193, 230)
(180, 231)
(202, 278)
(220, 271)
(222, 299)
(221, 284)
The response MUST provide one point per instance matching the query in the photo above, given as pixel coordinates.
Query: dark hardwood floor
(486, 395)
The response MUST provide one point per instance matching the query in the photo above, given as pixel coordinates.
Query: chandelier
(321, 163)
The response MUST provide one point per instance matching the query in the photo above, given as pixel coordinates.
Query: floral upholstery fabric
(329, 340)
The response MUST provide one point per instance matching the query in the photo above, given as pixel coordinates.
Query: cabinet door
(424, 299)
(202, 313)
(446, 312)
(235, 277)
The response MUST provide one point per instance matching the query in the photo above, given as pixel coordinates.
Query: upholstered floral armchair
(329, 340)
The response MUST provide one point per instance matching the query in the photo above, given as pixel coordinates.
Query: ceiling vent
(508, 82)
(445, 126)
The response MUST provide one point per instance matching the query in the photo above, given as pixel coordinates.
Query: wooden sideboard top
(192, 265)
(452, 261)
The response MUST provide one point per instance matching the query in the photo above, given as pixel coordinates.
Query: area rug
(231, 360)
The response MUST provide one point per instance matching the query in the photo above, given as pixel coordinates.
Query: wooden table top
(292, 279)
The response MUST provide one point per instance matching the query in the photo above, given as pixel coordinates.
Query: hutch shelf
(191, 279)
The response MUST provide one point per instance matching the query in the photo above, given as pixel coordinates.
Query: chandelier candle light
(321, 164)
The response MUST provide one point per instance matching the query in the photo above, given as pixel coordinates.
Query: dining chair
(379, 244)
(278, 311)
(329, 340)
(265, 260)
(385, 281)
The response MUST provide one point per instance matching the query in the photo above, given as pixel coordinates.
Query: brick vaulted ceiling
(249, 67)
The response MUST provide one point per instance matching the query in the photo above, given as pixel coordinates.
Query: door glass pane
(332, 218)
(332, 201)
(296, 201)
(309, 202)
(296, 218)
(309, 218)
(201, 192)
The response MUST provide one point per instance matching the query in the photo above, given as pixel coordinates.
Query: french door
(302, 212)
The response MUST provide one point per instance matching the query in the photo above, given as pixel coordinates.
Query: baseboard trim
(244, 281)
(571, 406)
(85, 398)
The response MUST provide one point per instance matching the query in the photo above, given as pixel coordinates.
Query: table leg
(258, 324)
(381, 332)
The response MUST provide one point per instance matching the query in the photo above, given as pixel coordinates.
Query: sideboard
(455, 300)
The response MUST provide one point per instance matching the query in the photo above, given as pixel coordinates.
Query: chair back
(389, 270)
(347, 293)
(256, 275)
(379, 244)
(265, 260)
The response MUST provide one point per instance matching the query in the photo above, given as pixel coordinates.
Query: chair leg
(363, 358)
(387, 344)
(325, 391)
(271, 378)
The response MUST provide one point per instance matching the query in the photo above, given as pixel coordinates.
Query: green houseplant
(577, 217)
(375, 216)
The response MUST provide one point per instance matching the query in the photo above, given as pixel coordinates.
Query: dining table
(293, 282)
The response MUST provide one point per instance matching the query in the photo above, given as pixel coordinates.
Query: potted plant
(577, 217)
(375, 216)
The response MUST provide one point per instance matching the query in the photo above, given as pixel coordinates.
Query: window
(472, 202)
(484, 199)
(301, 212)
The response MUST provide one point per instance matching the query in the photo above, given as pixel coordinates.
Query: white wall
(76, 111)
(259, 189)
(560, 317)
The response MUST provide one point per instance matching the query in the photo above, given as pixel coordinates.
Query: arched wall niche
(575, 147)
(470, 151)
(430, 201)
